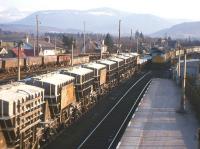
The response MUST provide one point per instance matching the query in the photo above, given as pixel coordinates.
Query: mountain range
(12, 14)
(183, 30)
(100, 20)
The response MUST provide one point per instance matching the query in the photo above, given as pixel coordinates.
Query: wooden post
(84, 38)
(137, 45)
(119, 40)
(37, 31)
(18, 63)
(131, 41)
(72, 59)
(19, 46)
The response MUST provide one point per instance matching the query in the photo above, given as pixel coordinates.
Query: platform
(156, 125)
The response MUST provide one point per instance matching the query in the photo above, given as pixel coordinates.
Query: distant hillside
(32, 28)
(183, 30)
(101, 20)
(12, 14)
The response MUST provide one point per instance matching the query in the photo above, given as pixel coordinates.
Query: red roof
(21, 52)
(30, 52)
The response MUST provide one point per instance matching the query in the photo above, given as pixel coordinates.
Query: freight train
(161, 57)
(35, 110)
(38, 62)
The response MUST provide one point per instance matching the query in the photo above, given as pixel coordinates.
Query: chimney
(103, 42)
(48, 39)
(27, 39)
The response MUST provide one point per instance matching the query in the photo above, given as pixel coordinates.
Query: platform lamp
(179, 59)
(183, 96)
(19, 45)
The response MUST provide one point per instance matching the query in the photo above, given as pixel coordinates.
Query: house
(101, 47)
(20, 54)
(46, 52)
(3, 51)
(45, 47)
(28, 49)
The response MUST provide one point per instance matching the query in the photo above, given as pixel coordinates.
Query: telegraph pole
(137, 44)
(37, 31)
(19, 46)
(131, 40)
(101, 50)
(84, 37)
(119, 40)
(33, 45)
(55, 43)
(72, 58)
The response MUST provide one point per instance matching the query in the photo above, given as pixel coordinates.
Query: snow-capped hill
(100, 20)
(12, 14)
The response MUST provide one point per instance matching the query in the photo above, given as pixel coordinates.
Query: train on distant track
(38, 62)
(36, 109)
(161, 57)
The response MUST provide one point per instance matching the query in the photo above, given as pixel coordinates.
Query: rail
(129, 114)
(84, 141)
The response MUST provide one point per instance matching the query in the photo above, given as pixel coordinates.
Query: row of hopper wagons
(165, 56)
(9, 65)
(36, 109)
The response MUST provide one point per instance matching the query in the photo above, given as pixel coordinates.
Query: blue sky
(177, 9)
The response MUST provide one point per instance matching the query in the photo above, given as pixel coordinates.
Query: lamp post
(179, 65)
(183, 97)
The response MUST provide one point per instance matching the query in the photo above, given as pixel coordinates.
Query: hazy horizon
(171, 9)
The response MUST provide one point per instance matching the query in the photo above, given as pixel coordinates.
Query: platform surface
(157, 125)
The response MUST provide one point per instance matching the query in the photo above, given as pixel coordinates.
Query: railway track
(108, 131)
(7, 77)
(86, 123)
